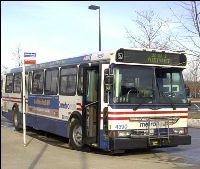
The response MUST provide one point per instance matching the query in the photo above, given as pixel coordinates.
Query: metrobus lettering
(67, 106)
(146, 124)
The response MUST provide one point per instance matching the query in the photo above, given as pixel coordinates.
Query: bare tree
(150, 31)
(188, 39)
(188, 36)
(3, 69)
(17, 56)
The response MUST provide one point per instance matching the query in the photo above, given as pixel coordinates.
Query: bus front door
(90, 104)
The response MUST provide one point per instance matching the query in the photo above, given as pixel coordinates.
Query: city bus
(114, 100)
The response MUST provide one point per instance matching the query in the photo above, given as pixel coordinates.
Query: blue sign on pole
(29, 54)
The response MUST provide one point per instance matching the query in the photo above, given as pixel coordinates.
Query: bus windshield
(136, 85)
(133, 85)
(170, 86)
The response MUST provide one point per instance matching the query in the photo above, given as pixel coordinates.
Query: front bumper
(144, 142)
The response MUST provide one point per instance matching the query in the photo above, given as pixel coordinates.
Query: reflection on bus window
(37, 87)
(9, 83)
(17, 83)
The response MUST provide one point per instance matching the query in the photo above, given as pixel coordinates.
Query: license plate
(154, 142)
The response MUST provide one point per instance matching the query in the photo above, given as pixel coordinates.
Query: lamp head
(93, 7)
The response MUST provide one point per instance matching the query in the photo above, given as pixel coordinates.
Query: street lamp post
(94, 7)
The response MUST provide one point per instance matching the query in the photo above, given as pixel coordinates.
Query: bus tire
(75, 135)
(16, 119)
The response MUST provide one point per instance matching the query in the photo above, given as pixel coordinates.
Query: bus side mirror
(189, 101)
(187, 90)
(108, 81)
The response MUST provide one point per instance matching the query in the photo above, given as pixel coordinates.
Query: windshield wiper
(153, 97)
(138, 106)
(153, 108)
(169, 100)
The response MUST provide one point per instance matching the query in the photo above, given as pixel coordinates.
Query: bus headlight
(181, 130)
(123, 133)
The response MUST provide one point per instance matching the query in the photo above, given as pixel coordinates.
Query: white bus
(114, 100)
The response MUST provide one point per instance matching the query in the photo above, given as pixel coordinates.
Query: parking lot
(49, 151)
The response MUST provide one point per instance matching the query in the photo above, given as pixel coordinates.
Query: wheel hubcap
(15, 119)
(77, 135)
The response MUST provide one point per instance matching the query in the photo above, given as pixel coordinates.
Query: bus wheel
(75, 135)
(16, 119)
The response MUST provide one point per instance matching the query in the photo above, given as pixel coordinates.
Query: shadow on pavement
(35, 161)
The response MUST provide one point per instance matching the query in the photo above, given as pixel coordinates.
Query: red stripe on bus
(127, 118)
(183, 116)
(146, 112)
(7, 97)
(80, 107)
(118, 118)
(12, 101)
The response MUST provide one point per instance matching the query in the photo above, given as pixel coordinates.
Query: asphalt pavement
(44, 155)
(45, 151)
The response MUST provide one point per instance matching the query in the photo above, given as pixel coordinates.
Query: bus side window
(68, 81)
(9, 83)
(1, 86)
(17, 83)
(51, 82)
(26, 83)
(38, 80)
(80, 81)
(30, 82)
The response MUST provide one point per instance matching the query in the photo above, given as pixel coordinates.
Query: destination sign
(150, 57)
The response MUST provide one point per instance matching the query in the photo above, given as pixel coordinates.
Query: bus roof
(97, 56)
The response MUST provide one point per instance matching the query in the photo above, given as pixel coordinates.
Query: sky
(62, 29)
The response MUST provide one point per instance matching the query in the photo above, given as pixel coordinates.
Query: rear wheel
(16, 119)
(75, 135)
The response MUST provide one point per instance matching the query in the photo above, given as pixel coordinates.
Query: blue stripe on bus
(50, 125)
(104, 144)
(7, 115)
